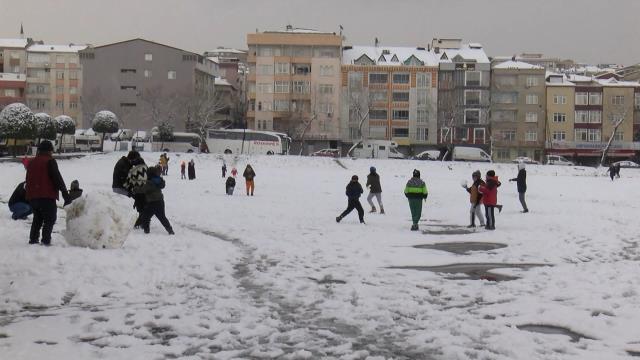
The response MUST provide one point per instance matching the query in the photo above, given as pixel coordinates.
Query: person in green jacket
(416, 192)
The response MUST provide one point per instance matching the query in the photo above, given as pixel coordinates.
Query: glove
(67, 199)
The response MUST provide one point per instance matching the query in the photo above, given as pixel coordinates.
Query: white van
(377, 149)
(64, 144)
(467, 153)
(557, 160)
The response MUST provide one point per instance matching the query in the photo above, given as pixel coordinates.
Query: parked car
(525, 160)
(557, 160)
(327, 153)
(427, 155)
(626, 164)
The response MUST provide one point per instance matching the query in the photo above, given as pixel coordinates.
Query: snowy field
(275, 277)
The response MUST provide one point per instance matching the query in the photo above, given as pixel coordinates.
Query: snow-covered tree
(46, 127)
(165, 132)
(105, 122)
(64, 126)
(17, 122)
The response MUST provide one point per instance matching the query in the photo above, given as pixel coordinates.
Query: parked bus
(87, 142)
(251, 142)
(181, 142)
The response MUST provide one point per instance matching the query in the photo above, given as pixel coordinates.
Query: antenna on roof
(513, 58)
(21, 31)
(376, 42)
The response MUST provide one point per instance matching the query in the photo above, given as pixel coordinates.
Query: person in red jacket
(489, 193)
(43, 184)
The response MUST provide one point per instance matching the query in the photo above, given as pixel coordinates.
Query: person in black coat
(224, 170)
(120, 172)
(18, 204)
(521, 180)
(191, 170)
(353, 192)
(375, 190)
(230, 184)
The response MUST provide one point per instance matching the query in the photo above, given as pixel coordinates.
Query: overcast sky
(595, 31)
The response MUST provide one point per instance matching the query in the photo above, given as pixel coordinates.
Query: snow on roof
(13, 43)
(227, 50)
(56, 48)
(215, 59)
(580, 78)
(519, 65)
(613, 82)
(222, 82)
(466, 51)
(380, 57)
(12, 77)
(556, 79)
(299, 31)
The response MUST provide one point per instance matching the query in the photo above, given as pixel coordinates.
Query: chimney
(289, 27)
(513, 58)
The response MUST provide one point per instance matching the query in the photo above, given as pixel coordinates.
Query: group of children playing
(230, 184)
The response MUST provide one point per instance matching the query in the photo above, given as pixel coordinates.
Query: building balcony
(519, 143)
(596, 145)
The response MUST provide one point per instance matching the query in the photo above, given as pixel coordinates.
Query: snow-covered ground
(274, 276)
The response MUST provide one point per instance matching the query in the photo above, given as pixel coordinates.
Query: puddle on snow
(554, 330)
(462, 248)
(473, 271)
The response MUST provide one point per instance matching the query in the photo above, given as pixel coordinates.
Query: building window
(531, 135)
(301, 87)
(355, 80)
(325, 88)
(508, 135)
(171, 75)
(265, 51)
(559, 136)
(73, 105)
(616, 117)
(189, 57)
(559, 99)
(127, 87)
(127, 104)
(472, 97)
(376, 78)
(148, 57)
(422, 116)
(264, 88)
(637, 100)
(401, 132)
(532, 99)
(10, 92)
(128, 71)
(618, 136)
(400, 78)
(472, 116)
(423, 80)
(400, 114)
(283, 68)
(423, 98)
(59, 89)
(400, 96)
(88, 56)
(460, 134)
(59, 59)
(326, 70)
(595, 98)
(503, 115)
(281, 105)
(265, 69)
(506, 80)
(587, 135)
(479, 135)
(73, 75)
(282, 87)
(532, 81)
(559, 117)
(504, 98)
(422, 134)
(472, 78)
(378, 95)
(378, 114)
(582, 98)
(326, 108)
(617, 100)
(73, 59)
(147, 73)
(595, 117)
(60, 75)
(60, 104)
(504, 154)
(531, 117)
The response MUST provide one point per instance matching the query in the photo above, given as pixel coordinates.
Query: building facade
(464, 81)
(144, 82)
(518, 111)
(394, 90)
(293, 85)
(13, 79)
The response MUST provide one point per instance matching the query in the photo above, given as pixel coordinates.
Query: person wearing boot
(373, 183)
(521, 180)
(475, 197)
(416, 191)
(154, 199)
(353, 192)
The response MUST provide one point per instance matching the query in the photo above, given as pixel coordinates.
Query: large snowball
(99, 220)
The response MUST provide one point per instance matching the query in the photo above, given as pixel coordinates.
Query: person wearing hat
(373, 183)
(416, 191)
(489, 193)
(354, 190)
(120, 172)
(475, 197)
(521, 181)
(74, 190)
(43, 184)
(18, 204)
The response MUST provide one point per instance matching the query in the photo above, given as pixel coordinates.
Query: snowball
(464, 183)
(99, 220)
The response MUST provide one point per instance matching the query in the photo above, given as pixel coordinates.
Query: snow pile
(99, 221)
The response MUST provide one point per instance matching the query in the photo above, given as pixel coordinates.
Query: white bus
(182, 142)
(251, 142)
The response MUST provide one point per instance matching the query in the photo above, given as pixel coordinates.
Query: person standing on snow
(234, 172)
(120, 172)
(353, 192)
(416, 191)
(249, 175)
(373, 183)
(224, 170)
(521, 180)
(230, 184)
(475, 197)
(191, 170)
(152, 190)
(183, 166)
(43, 184)
(18, 204)
(136, 179)
(489, 193)
(612, 171)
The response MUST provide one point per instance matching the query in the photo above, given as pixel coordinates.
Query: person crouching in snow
(152, 190)
(74, 190)
(416, 191)
(373, 183)
(489, 193)
(18, 204)
(521, 180)
(353, 192)
(230, 184)
(475, 197)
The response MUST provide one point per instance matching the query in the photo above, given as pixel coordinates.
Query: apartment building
(54, 80)
(518, 110)
(395, 89)
(293, 85)
(464, 80)
(13, 80)
(549, 63)
(581, 127)
(144, 82)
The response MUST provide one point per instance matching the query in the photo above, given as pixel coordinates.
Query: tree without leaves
(203, 113)
(17, 122)
(359, 110)
(105, 122)
(616, 125)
